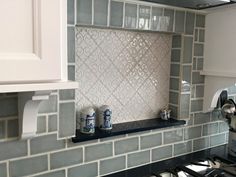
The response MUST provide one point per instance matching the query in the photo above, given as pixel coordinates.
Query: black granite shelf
(128, 127)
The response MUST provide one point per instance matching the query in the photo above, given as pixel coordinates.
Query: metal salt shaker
(87, 121)
(105, 121)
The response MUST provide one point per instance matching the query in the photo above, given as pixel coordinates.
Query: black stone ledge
(157, 167)
(128, 127)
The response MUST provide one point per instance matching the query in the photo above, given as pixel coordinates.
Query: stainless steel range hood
(193, 4)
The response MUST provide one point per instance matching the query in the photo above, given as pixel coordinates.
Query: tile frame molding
(138, 3)
(177, 108)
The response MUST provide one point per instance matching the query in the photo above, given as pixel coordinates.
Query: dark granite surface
(128, 127)
(147, 170)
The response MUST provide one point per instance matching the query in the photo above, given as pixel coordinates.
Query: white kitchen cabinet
(219, 53)
(33, 54)
(33, 40)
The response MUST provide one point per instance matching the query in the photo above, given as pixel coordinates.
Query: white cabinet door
(32, 40)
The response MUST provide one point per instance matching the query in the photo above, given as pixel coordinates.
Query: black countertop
(147, 170)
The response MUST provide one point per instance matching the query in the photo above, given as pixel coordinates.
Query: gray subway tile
(179, 21)
(13, 149)
(88, 170)
(210, 129)
(201, 143)
(193, 91)
(138, 158)
(175, 55)
(127, 145)
(84, 12)
(28, 166)
(60, 173)
(196, 105)
(130, 13)
(176, 41)
(201, 118)
(187, 53)
(2, 129)
(66, 119)
(199, 91)
(116, 15)
(41, 124)
(52, 123)
(196, 35)
(71, 73)
(174, 69)
(149, 141)
(3, 170)
(200, 20)
(173, 97)
(48, 106)
(170, 14)
(9, 106)
(192, 132)
(174, 84)
(216, 115)
(173, 136)
(66, 158)
(201, 35)
(198, 50)
(70, 12)
(182, 148)
(67, 94)
(114, 137)
(217, 140)
(12, 128)
(144, 14)
(100, 12)
(174, 111)
(197, 78)
(186, 78)
(184, 105)
(162, 153)
(111, 165)
(71, 44)
(98, 151)
(200, 64)
(223, 127)
(156, 14)
(189, 23)
(189, 122)
(139, 133)
(46, 143)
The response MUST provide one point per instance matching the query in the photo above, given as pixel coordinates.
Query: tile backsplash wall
(48, 156)
(126, 70)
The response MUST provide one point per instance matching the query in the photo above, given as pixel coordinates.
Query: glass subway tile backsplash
(52, 156)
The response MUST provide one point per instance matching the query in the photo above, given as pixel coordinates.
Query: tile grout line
(8, 168)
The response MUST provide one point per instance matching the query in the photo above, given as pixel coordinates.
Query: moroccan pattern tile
(127, 70)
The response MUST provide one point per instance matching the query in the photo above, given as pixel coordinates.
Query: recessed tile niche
(127, 70)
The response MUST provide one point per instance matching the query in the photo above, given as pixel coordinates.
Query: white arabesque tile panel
(127, 70)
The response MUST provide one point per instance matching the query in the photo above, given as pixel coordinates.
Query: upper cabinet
(33, 45)
(33, 55)
(220, 53)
